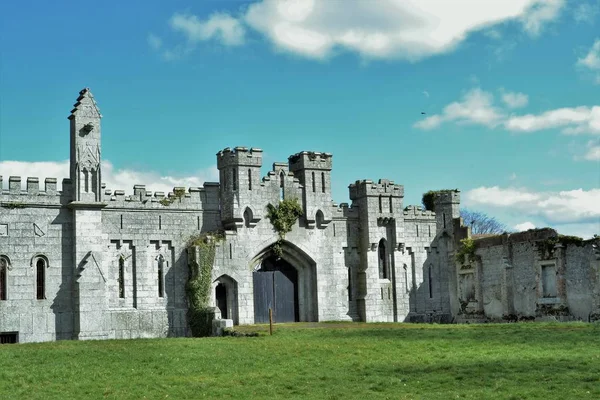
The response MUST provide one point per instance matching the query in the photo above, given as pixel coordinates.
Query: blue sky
(511, 92)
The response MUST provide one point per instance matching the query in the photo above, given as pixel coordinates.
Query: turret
(239, 177)
(447, 209)
(313, 170)
(85, 149)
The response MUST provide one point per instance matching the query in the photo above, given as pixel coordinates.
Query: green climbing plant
(428, 198)
(200, 314)
(466, 251)
(178, 193)
(283, 217)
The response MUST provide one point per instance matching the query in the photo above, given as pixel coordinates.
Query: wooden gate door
(272, 289)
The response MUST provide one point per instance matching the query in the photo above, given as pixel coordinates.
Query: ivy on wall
(177, 194)
(283, 217)
(200, 313)
(466, 251)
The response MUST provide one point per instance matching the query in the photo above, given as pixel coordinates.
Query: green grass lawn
(331, 361)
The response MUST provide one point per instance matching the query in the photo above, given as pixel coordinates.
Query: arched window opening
(319, 219)
(281, 185)
(247, 217)
(3, 276)
(234, 178)
(40, 274)
(314, 184)
(249, 179)
(322, 182)
(383, 264)
(221, 297)
(430, 273)
(121, 278)
(161, 276)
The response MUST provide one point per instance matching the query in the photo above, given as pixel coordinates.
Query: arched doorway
(286, 283)
(226, 294)
(276, 287)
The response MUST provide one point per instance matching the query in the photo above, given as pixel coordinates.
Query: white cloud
(426, 93)
(540, 13)
(524, 226)
(115, 179)
(154, 41)
(399, 29)
(476, 107)
(573, 121)
(585, 12)
(221, 26)
(592, 59)
(593, 151)
(515, 100)
(564, 207)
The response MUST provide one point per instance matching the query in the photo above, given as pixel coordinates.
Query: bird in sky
(422, 112)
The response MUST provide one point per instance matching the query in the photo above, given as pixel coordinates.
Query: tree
(481, 223)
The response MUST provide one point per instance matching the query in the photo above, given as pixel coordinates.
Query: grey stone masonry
(92, 262)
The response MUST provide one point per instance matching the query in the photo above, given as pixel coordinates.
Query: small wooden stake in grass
(270, 321)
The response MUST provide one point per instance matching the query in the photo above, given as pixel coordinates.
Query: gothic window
(247, 217)
(40, 277)
(121, 278)
(161, 276)
(4, 263)
(322, 182)
(383, 264)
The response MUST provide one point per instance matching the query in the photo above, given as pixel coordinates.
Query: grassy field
(319, 361)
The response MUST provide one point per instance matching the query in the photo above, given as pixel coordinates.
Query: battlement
(417, 212)
(447, 197)
(345, 211)
(194, 198)
(366, 188)
(310, 160)
(239, 156)
(31, 193)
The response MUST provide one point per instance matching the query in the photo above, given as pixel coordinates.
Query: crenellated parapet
(193, 198)
(367, 188)
(239, 156)
(413, 212)
(310, 160)
(32, 193)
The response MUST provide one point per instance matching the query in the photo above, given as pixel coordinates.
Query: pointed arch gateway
(287, 284)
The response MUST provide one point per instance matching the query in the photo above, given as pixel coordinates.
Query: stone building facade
(88, 262)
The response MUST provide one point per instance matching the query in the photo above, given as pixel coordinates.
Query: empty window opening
(247, 217)
(86, 178)
(380, 204)
(549, 280)
(444, 217)
(383, 265)
(121, 278)
(314, 184)
(406, 278)
(349, 284)
(429, 226)
(391, 205)
(381, 293)
(198, 222)
(161, 277)
(417, 230)
(160, 222)
(230, 251)
(234, 178)
(40, 267)
(322, 182)
(121, 221)
(221, 297)
(9, 337)
(3, 277)
(249, 179)
(281, 186)
(333, 229)
(430, 279)
(319, 218)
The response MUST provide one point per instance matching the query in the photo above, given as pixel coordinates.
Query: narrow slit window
(121, 278)
(161, 277)
(314, 184)
(417, 230)
(383, 265)
(249, 179)
(160, 222)
(322, 182)
(3, 277)
(349, 284)
(406, 278)
(444, 217)
(234, 179)
(380, 204)
(121, 221)
(40, 278)
(281, 186)
(391, 205)
(430, 273)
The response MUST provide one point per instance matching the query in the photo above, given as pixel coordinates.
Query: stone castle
(89, 262)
